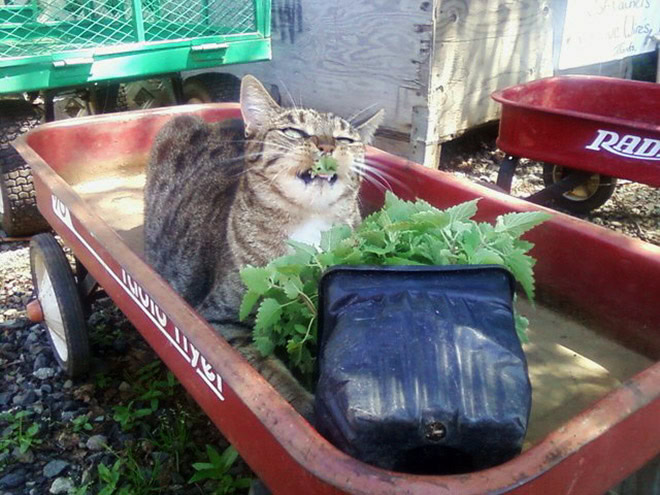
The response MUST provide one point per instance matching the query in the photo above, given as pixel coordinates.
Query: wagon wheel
(585, 197)
(18, 203)
(59, 304)
(211, 87)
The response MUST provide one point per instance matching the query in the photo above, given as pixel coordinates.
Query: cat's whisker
(381, 186)
(360, 112)
(382, 174)
(371, 172)
(286, 89)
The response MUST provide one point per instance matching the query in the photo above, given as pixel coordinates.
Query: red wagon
(595, 334)
(588, 130)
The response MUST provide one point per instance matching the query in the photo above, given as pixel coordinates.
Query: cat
(224, 195)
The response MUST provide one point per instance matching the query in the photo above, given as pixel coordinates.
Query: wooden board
(346, 56)
(481, 46)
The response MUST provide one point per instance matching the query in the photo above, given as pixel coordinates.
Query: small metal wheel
(584, 198)
(58, 305)
(211, 87)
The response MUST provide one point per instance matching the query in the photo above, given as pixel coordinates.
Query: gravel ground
(84, 436)
(62, 436)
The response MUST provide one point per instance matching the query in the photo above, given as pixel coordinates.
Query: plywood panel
(345, 55)
(480, 46)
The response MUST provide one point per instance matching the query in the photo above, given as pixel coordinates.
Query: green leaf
(330, 239)
(521, 267)
(437, 218)
(517, 224)
(228, 458)
(268, 313)
(463, 211)
(485, 256)
(292, 287)
(522, 324)
(301, 247)
(249, 300)
(213, 455)
(257, 280)
(264, 345)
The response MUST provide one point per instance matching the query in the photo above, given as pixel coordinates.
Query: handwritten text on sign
(602, 30)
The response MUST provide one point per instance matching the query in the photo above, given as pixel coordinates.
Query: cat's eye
(292, 132)
(345, 140)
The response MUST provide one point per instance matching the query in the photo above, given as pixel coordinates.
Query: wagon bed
(596, 385)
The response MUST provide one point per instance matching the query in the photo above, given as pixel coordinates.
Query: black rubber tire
(602, 192)
(56, 289)
(111, 98)
(211, 87)
(18, 209)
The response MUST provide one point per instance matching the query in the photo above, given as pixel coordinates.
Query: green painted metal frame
(136, 60)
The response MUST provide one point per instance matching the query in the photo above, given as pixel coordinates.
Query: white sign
(602, 30)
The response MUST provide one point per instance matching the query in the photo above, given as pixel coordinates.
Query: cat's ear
(367, 128)
(257, 106)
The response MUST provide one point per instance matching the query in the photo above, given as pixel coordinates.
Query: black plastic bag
(420, 368)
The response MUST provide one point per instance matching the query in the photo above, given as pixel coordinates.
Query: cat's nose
(326, 147)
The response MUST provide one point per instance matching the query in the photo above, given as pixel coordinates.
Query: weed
(16, 434)
(109, 477)
(102, 381)
(149, 389)
(217, 468)
(173, 435)
(81, 423)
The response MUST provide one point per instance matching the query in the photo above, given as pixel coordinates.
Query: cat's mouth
(308, 177)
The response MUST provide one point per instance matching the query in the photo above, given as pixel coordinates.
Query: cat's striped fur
(221, 196)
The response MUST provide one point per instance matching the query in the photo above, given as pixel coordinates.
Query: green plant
(109, 477)
(15, 434)
(217, 468)
(173, 435)
(101, 380)
(81, 423)
(401, 233)
(81, 490)
(149, 390)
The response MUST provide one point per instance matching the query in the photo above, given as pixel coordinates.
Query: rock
(13, 480)
(11, 324)
(40, 362)
(46, 388)
(124, 387)
(44, 373)
(71, 405)
(25, 399)
(5, 398)
(67, 384)
(55, 467)
(26, 457)
(11, 314)
(97, 442)
(68, 415)
(61, 485)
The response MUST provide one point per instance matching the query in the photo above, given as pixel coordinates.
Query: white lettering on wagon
(190, 353)
(144, 301)
(628, 145)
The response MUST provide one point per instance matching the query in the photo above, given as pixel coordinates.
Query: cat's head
(313, 158)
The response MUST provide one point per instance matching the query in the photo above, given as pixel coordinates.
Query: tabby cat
(221, 196)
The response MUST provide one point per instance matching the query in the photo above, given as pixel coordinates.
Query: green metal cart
(88, 47)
